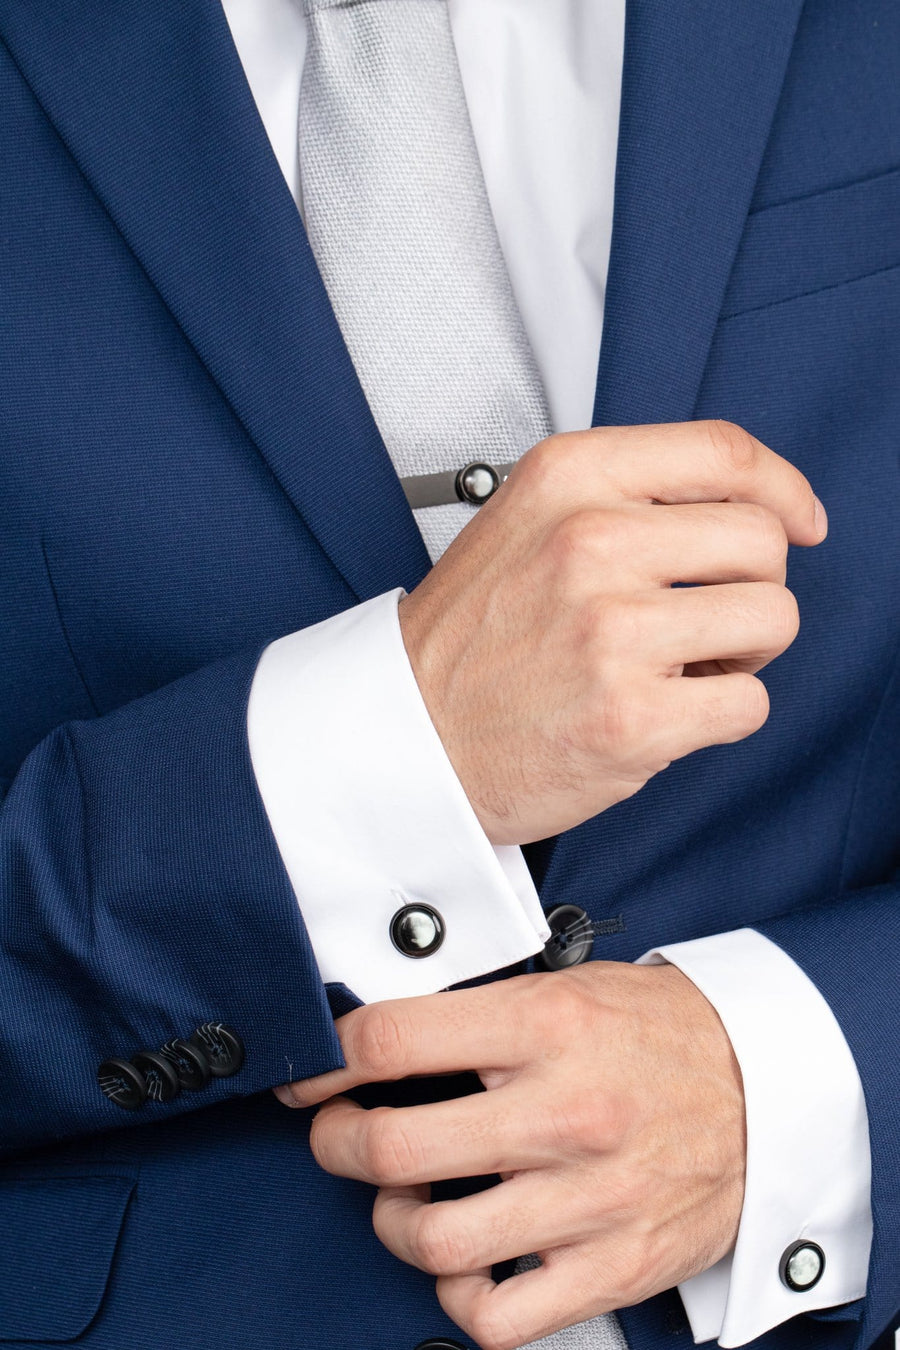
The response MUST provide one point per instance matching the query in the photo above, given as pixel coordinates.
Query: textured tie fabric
(399, 221)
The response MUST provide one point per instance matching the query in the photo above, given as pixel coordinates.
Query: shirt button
(476, 482)
(417, 930)
(802, 1266)
(571, 939)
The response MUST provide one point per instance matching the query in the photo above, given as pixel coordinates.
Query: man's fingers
(680, 462)
(707, 542)
(532, 1211)
(689, 714)
(450, 1032)
(753, 621)
(503, 1131)
(559, 1293)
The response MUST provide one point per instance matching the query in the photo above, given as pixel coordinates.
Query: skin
(562, 671)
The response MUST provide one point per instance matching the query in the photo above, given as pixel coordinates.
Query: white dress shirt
(364, 805)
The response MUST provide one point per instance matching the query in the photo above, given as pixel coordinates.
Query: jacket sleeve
(141, 896)
(851, 951)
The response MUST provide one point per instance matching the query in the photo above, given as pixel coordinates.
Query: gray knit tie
(399, 221)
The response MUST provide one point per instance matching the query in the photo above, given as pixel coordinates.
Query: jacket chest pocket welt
(816, 242)
(59, 1237)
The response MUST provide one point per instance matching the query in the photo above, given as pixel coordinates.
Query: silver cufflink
(802, 1266)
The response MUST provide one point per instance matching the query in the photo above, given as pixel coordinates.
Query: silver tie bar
(474, 483)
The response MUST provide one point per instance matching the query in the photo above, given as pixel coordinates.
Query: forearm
(142, 896)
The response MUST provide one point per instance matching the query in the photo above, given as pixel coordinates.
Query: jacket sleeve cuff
(808, 1160)
(369, 816)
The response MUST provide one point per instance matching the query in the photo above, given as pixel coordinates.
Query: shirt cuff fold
(808, 1157)
(369, 816)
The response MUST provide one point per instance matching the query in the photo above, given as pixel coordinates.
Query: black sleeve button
(159, 1073)
(571, 939)
(222, 1046)
(189, 1063)
(122, 1083)
(802, 1266)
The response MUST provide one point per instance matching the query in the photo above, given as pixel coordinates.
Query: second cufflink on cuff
(802, 1266)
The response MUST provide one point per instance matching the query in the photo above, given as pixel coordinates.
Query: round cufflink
(159, 1074)
(476, 482)
(571, 939)
(122, 1083)
(189, 1063)
(417, 930)
(802, 1266)
(222, 1046)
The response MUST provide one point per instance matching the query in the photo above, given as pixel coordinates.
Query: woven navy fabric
(172, 381)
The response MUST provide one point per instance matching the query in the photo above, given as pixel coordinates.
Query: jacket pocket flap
(815, 242)
(59, 1237)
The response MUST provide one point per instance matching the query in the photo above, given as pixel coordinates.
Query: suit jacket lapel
(151, 100)
(700, 86)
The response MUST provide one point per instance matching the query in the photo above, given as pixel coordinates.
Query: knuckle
(539, 466)
(438, 1248)
(319, 1142)
(752, 700)
(575, 1125)
(612, 1120)
(735, 448)
(622, 722)
(575, 539)
(782, 614)
(390, 1154)
(769, 534)
(560, 1005)
(493, 1330)
(615, 624)
(376, 1042)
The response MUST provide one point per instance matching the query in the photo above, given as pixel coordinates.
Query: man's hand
(614, 1113)
(550, 646)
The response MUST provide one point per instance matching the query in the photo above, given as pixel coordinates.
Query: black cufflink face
(802, 1266)
(417, 930)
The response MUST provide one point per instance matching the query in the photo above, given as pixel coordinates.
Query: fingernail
(821, 519)
(284, 1095)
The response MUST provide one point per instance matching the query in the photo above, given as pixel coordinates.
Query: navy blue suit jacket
(172, 384)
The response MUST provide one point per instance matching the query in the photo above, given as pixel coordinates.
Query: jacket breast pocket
(813, 243)
(59, 1237)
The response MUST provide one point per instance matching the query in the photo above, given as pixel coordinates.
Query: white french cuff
(369, 816)
(808, 1157)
